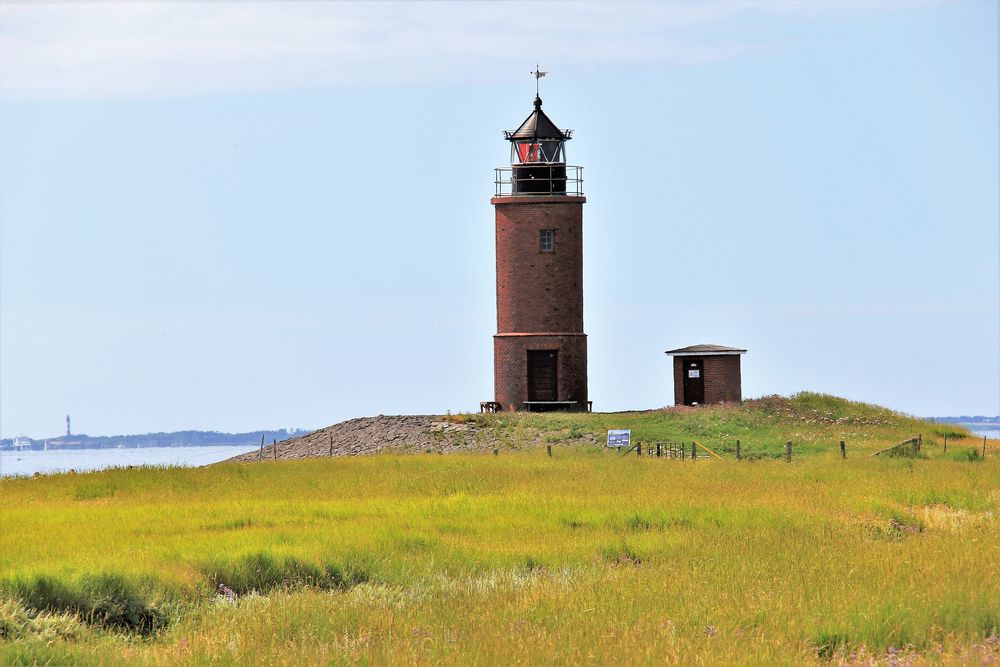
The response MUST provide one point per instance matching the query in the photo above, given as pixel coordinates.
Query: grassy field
(586, 556)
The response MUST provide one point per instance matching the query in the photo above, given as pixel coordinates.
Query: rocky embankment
(371, 435)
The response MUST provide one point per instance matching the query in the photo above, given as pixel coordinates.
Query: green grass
(585, 556)
(815, 423)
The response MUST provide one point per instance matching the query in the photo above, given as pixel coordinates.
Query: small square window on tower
(546, 240)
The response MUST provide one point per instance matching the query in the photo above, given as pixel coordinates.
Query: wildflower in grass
(228, 594)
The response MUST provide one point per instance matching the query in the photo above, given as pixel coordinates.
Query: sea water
(29, 462)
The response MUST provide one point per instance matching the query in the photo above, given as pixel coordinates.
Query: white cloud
(143, 50)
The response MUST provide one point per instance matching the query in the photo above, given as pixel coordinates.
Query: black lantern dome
(538, 139)
(538, 154)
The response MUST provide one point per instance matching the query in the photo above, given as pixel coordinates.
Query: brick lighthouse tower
(540, 350)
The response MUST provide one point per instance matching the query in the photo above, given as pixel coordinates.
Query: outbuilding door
(694, 381)
(542, 380)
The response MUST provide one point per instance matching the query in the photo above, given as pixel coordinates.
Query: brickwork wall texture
(723, 382)
(510, 368)
(539, 291)
(539, 296)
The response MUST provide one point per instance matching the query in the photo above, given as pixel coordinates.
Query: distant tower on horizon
(540, 349)
(67, 426)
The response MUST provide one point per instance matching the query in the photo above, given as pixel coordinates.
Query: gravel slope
(371, 435)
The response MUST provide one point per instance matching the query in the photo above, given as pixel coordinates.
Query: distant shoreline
(967, 420)
(149, 440)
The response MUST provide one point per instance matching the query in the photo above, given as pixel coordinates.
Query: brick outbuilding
(706, 374)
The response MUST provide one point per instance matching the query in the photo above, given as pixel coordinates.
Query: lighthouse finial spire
(538, 75)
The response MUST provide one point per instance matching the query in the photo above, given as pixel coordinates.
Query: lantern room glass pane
(527, 151)
(537, 151)
(551, 151)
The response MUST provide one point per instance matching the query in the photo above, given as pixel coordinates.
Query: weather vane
(538, 75)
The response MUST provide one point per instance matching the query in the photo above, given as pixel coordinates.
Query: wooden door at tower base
(694, 381)
(542, 378)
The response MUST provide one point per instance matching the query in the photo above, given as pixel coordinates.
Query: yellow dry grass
(584, 557)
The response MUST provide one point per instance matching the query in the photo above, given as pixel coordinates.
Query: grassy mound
(815, 423)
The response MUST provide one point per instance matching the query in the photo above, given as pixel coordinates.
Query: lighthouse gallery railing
(533, 179)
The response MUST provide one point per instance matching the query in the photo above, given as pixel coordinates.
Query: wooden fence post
(260, 454)
(694, 452)
(788, 451)
(274, 446)
(638, 448)
(738, 457)
(549, 449)
(331, 444)
(920, 441)
(657, 450)
(984, 446)
(843, 450)
(945, 443)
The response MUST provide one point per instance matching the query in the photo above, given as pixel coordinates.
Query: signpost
(620, 438)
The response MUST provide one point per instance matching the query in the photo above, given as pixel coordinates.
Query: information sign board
(619, 438)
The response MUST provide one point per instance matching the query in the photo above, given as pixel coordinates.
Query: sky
(232, 216)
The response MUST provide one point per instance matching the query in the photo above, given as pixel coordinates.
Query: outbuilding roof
(704, 349)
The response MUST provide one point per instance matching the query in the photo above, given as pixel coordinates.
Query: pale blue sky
(235, 216)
